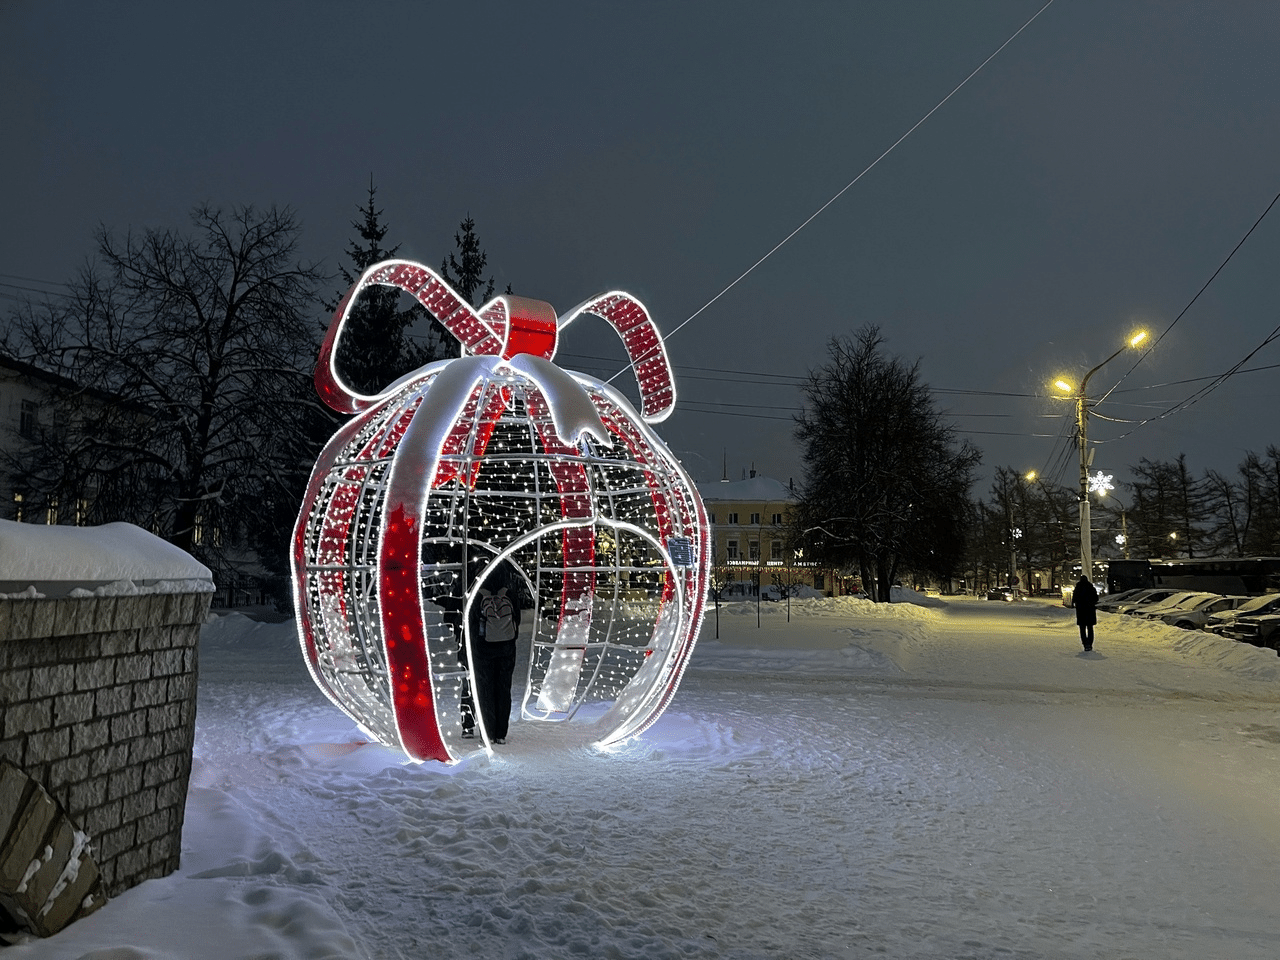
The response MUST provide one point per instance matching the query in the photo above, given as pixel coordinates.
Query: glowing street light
(1081, 398)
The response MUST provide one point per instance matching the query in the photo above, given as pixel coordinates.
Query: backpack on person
(497, 616)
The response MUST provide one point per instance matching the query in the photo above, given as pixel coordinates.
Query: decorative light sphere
(499, 460)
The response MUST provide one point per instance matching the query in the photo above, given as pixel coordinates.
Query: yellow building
(748, 534)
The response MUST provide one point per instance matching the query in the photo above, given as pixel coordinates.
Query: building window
(731, 549)
(753, 549)
(29, 419)
(777, 520)
(733, 518)
(775, 549)
(711, 517)
(755, 519)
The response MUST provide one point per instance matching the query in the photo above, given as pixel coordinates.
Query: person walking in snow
(1085, 599)
(495, 623)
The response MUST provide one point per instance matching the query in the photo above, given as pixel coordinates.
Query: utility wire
(792, 379)
(15, 286)
(1207, 389)
(813, 216)
(1215, 381)
(1216, 376)
(1191, 302)
(47, 283)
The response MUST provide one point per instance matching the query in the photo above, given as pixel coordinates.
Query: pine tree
(465, 273)
(382, 341)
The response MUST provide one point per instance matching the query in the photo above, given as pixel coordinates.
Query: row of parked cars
(1253, 620)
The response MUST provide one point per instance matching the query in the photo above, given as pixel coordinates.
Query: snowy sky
(1092, 176)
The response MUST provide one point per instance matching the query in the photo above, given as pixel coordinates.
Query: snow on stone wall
(38, 560)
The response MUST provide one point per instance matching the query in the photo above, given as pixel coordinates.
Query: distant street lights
(1081, 397)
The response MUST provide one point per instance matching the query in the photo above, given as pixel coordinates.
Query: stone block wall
(97, 708)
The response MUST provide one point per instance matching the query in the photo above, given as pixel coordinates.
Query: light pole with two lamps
(1081, 397)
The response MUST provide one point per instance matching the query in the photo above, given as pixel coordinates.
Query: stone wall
(97, 707)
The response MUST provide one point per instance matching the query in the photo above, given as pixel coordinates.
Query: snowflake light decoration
(499, 459)
(1100, 483)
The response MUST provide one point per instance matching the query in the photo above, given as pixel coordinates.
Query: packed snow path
(950, 782)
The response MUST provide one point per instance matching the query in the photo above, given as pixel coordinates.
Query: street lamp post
(1102, 483)
(1082, 433)
(1052, 512)
(1012, 534)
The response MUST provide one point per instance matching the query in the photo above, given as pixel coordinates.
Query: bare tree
(202, 340)
(885, 478)
(1260, 482)
(1229, 507)
(1168, 507)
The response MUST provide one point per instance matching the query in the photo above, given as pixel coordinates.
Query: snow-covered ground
(948, 781)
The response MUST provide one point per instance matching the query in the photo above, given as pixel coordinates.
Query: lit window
(17, 507)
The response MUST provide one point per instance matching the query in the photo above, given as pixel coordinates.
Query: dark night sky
(1090, 178)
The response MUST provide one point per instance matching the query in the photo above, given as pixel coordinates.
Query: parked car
(1261, 631)
(1254, 607)
(1196, 615)
(1108, 603)
(1150, 595)
(1154, 611)
(1000, 593)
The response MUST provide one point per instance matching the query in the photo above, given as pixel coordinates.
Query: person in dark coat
(495, 624)
(1085, 599)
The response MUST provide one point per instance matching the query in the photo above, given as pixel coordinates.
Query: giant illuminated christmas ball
(499, 463)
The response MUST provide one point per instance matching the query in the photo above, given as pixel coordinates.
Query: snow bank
(115, 558)
(1207, 649)
(862, 779)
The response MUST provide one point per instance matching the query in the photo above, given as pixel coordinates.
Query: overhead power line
(1234, 250)
(46, 283)
(25, 289)
(1222, 378)
(841, 192)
